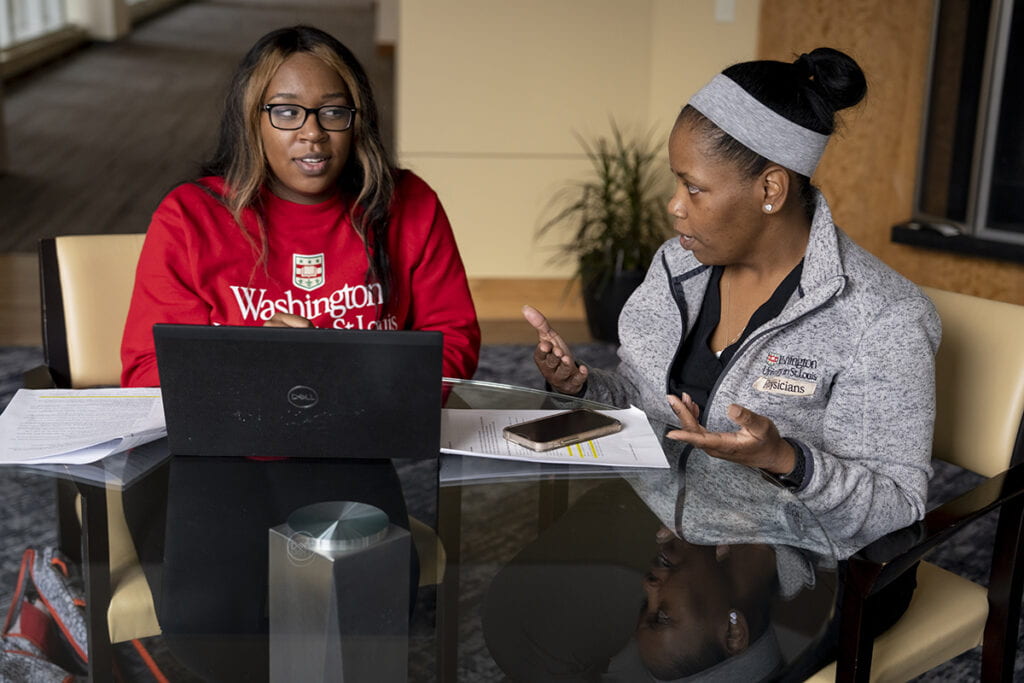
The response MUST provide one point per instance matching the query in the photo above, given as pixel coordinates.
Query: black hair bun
(808, 91)
(833, 75)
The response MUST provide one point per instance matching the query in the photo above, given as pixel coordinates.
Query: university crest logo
(308, 271)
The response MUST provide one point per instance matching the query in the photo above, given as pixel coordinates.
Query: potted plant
(619, 220)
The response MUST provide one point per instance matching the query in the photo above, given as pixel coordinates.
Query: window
(971, 173)
(23, 20)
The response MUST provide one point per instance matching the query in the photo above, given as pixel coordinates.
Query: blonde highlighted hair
(369, 176)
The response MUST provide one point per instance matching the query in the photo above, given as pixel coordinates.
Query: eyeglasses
(333, 117)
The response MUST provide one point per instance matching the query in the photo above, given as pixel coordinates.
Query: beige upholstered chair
(980, 394)
(86, 283)
(93, 277)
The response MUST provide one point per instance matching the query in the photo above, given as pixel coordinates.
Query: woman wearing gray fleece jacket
(763, 331)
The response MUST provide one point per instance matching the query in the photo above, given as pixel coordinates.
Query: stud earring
(767, 208)
(733, 617)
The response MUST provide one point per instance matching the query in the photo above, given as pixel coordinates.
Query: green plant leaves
(619, 213)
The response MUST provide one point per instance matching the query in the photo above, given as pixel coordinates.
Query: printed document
(479, 433)
(75, 426)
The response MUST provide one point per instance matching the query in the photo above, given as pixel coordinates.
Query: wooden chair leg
(853, 663)
(69, 530)
(96, 569)
(1004, 596)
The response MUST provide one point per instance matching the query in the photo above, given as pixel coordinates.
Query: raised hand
(552, 356)
(756, 443)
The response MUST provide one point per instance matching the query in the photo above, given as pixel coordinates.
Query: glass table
(568, 572)
(548, 566)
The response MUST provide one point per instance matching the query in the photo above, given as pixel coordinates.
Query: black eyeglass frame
(269, 108)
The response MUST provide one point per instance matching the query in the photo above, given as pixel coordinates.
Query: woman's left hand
(756, 443)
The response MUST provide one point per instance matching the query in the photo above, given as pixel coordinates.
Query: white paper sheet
(75, 426)
(479, 432)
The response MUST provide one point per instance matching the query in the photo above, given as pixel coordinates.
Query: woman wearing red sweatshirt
(301, 220)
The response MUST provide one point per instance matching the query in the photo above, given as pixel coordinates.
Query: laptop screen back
(269, 391)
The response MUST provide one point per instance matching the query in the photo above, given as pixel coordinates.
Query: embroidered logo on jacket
(788, 375)
(308, 271)
(788, 387)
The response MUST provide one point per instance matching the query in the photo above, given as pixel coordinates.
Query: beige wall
(102, 19)
(689, 46)
(490, 93)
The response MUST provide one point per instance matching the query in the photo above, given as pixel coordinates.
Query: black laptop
(272, 391)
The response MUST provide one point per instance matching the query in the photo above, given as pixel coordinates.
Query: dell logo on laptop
(303, 397)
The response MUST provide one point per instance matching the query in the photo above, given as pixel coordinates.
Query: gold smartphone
(561, 429)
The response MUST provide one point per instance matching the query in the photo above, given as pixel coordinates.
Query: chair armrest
(894, 553)
(39, 377)
(877, 564)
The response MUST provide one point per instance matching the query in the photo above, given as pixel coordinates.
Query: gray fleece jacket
(847, 370)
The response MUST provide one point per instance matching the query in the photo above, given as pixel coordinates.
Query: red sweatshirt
(197, 267)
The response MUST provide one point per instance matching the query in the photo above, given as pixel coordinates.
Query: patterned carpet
(25, 499)
(26, 503)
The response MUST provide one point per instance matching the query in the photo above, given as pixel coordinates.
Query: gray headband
(771, 135)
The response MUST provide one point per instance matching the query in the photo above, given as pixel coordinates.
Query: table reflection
(610, 593)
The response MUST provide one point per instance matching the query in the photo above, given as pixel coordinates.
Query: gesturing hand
(552, 356)
(280, 319)
(756, 443)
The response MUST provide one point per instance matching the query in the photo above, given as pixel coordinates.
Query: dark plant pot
(603, 301)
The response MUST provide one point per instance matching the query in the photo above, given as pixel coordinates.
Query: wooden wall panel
(868, 173)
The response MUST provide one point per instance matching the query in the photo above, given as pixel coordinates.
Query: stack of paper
(75, 426)
(479, 432)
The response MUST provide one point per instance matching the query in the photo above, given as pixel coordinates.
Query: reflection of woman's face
(686, 607)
